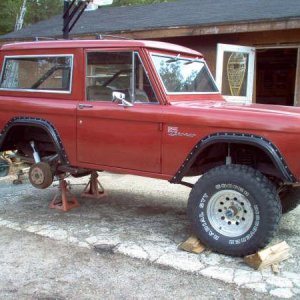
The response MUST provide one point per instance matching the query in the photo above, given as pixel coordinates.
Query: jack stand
(64, 199)
(93, 189)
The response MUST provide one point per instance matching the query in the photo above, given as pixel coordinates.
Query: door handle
(82, 106)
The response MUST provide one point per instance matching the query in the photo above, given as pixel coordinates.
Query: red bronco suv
(152, 109)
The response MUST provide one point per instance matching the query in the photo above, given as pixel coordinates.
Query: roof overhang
(196, 30)
(214, 29)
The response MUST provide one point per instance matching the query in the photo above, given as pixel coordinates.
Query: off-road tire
(40, 175)
(290, 198)
(238, 195)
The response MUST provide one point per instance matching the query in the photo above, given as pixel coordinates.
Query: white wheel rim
(230, 213)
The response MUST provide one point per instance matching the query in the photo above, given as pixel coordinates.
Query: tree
(38, 10)
(9, 10)
(21, 17)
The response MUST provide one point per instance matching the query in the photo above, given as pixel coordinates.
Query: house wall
(207, 45)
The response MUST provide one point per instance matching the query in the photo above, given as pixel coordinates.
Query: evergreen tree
(9, 10)
(37, 10)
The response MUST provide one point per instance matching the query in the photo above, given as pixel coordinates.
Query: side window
(143, 88)
(48, 74)
(109, 72)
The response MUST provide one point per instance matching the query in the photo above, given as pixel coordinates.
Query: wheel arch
(43, 124)
(236, 138)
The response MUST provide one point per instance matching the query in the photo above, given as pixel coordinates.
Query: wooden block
(192, 244)
(275, 268)
(268, 256)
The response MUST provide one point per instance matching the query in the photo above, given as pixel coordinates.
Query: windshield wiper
(192, 61)
(171, 60)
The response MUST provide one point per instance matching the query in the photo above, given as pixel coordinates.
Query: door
(109, 133)
(235, 72)
(276, 70)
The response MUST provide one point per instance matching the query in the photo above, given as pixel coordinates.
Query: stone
(73, 240)
(296, 291)
(4, 223)
(104, 248)
(224, 274)
(91, 240)
(282, 293)
(257, 287)
(56, 234)
(132, 250)
(84, 245)
(293, 276)
(211, 259)
(242, 277)
(13, 225)
(279, 281)
(181, 261)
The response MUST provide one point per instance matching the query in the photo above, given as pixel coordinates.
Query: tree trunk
(20, 19)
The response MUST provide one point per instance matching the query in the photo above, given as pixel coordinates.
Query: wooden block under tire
(268, 256)
(192, 244)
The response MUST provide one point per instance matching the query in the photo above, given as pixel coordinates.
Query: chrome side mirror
(120, 98)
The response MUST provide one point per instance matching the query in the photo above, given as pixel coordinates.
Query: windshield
(182, 75)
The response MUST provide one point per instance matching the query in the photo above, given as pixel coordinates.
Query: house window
(37, 73)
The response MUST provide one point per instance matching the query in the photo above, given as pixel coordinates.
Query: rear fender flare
(41, 123)
(241, 138)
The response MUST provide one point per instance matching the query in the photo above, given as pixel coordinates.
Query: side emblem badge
(174, 131)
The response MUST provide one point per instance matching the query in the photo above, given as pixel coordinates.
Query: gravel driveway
(145, 219)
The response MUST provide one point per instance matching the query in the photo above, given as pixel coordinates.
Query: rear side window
(37, 73)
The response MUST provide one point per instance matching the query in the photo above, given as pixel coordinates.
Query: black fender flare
(241, 138)
(41, 123)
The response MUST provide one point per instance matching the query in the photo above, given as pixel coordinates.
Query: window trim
(182, 93)
(147, 74)
(69, 91)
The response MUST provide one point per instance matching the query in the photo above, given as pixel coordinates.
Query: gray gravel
(145, 219)
(35, 267)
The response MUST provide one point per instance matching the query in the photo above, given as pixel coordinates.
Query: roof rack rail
(104, 36)
(44, 38)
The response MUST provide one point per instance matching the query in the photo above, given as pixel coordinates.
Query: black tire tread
(290, 199)
(272, 201)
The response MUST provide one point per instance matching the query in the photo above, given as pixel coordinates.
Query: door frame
(221, 48)
(297, 79)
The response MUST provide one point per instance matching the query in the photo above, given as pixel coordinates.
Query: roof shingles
(163, 15)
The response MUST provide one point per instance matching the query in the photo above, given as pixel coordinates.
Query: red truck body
(147, 150)
(159, 140)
